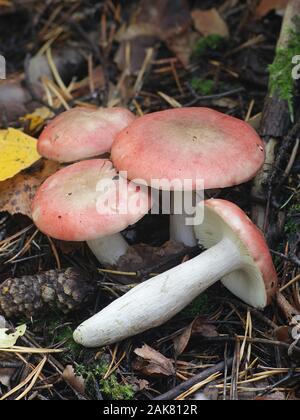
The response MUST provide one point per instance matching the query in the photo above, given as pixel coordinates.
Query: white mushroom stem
(155, 301)
(180, 230)
(109, 249)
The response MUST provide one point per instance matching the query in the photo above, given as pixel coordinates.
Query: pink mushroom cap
(189, 144)
(85, 201)
(223, 218)
(82, 133)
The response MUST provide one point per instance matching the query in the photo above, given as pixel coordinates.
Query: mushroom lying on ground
(82, 133)
(85, 202)
(237, 253)
(188, 144)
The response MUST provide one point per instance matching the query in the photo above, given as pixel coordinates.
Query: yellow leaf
(37, 119)
(9, 339)
(17, 152)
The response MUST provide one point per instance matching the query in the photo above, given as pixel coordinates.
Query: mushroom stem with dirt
(88, 201)
(188, 150)
(236, 253)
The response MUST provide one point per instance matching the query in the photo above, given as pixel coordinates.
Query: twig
(290, 257)
(173, 393)
(215, 96)
(272, 343)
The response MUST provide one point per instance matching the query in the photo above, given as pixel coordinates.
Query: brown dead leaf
(225, 103)
(138, 384)
(169, 17)
(76, 382)
(209, 22)
(275, 396)
(16, 194)
(153, 363)
(183, 46)
(132, 52)
(283, 334)
(198, 327)
(15, 100)
(266, 6)
(157, 258)
(5, 376)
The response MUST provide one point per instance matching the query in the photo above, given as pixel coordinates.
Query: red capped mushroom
(188, 144)
(87, 201)
(237, 254)
(82, 133)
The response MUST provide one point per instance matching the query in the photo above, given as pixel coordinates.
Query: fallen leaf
(138, 384)
(209, 22)
(169, 17)
(6, 375)
(283, 334)
(151, 362)
(160, 258)
(155, 21)
(132, 52)
(142, 384)
(266, 6)
(183, 46)
(77, 382)
(5, 3)
(225, 103)
(16, 194)
(198, 327)
(8, 339)
(37, 118)
(275, 396)
(17, 152)
(15, 99)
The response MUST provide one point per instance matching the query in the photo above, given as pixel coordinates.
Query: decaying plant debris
(147, 56)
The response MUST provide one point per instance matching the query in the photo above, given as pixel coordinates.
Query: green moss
(199, 306)
(110, 387)
(281, 77)
(65, 335)
(210, 42)
(203, 86)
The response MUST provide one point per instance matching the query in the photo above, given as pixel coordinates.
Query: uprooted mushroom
(236, 253)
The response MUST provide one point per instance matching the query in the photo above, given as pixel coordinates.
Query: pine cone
(66, 290)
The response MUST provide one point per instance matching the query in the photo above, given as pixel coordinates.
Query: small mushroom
(82, 133)
(188, 144)
(237, 253)
(85, 202)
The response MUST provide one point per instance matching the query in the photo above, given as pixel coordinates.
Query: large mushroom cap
(257, 281)
(81, 133)
(88, 200)
(189, 143)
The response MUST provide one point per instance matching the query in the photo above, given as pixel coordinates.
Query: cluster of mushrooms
(187, 143)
